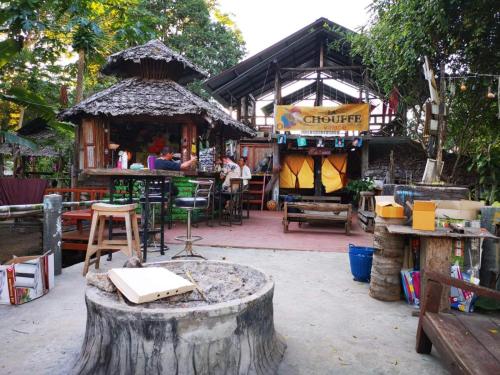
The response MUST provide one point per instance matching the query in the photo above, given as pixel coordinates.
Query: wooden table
(435, 252)
(148, 176)
(317, 212)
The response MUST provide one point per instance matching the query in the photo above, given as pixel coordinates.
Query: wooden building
(313, 67)
(149, 107)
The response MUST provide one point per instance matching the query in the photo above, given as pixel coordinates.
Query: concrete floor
(329, 322)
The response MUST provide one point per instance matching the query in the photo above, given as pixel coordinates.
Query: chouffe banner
(343, 117)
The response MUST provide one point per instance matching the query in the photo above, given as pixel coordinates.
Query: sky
(265, 22)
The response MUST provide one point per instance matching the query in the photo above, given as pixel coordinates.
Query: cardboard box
(386, 207)
(24, 279)
(458, 209)
(424, 215)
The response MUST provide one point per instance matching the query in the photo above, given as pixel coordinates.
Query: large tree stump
(236, 336)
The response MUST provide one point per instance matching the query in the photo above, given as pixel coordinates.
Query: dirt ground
(329, 322)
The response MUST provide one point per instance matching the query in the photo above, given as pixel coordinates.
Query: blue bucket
(361, 262)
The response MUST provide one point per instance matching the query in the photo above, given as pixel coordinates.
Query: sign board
(323, 119)
(319, 151)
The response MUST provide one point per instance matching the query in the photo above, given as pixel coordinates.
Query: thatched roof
(37, 131)
(152, 60)
(152, 98)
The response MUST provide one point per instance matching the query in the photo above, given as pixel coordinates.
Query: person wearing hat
(165, 161)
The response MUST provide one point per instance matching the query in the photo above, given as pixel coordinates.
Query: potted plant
(357, 186)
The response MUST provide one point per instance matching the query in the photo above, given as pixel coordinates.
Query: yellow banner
(343, 117)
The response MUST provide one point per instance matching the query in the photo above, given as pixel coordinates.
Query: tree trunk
(233, 337)
(79, 76)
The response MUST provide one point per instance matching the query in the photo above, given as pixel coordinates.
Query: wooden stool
(101, 212)
(366, 210)
(366, 201)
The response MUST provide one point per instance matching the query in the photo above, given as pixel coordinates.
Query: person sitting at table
(165, 161)
(246, 174)
(229, 171)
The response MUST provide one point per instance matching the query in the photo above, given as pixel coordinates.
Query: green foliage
(40, 40)
(357, 186)
(463, 34)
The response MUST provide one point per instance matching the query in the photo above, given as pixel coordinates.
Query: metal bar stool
(102, 212)
(201, 199)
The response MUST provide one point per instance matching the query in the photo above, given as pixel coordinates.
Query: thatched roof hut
(150, 102)
(153, 98)
(152, 60)
(37, 131)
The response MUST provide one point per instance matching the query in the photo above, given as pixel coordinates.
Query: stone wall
(409, 164)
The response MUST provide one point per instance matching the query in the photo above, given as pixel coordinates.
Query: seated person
(229, 171)
(246, 174)
(165, 161)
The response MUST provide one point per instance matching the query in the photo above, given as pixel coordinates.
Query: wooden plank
(367, 214)
(324, 207)
(317, 217)
(448, 280)
(483, 328)
(115, 172)
(460, 350)
(312, 198)
(439, 232)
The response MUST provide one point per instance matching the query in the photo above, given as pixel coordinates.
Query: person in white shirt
(246, 174)
(229, 171)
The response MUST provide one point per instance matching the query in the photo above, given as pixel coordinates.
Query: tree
(464, 36)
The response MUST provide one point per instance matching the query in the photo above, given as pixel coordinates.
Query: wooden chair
(468, 343)
(101, 213)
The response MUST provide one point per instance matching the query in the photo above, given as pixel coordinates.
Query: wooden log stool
(101, 213)
(366, 210)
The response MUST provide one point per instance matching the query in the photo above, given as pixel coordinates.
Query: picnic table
(302, 212)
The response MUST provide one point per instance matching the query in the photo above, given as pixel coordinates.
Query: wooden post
(365, 158)
(319, 87)
(441, 122)
(52, 228)
(435, 254)
(277, 84)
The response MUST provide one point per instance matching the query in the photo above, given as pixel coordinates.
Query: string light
(463, 87)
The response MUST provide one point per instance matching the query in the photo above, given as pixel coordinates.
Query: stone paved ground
(329, 322)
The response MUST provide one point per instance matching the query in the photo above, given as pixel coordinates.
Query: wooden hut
(149, 107)
(49, 146)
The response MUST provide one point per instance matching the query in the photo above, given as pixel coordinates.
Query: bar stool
(200, 200)
(102, 212)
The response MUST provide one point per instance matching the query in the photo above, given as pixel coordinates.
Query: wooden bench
(313, 198)
(317, 212)
(468, 343)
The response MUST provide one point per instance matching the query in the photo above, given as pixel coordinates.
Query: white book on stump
(148, 284)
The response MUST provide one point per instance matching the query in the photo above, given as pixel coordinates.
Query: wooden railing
(76, 194)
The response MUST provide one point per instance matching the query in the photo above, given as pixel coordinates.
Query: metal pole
(52, 228)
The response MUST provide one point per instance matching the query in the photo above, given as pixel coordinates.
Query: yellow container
(386, 207)
(424, 215)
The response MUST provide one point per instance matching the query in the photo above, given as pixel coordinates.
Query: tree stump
(233, 336)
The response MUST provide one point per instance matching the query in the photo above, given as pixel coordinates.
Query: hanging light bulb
(463, 87)
(490, 94)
